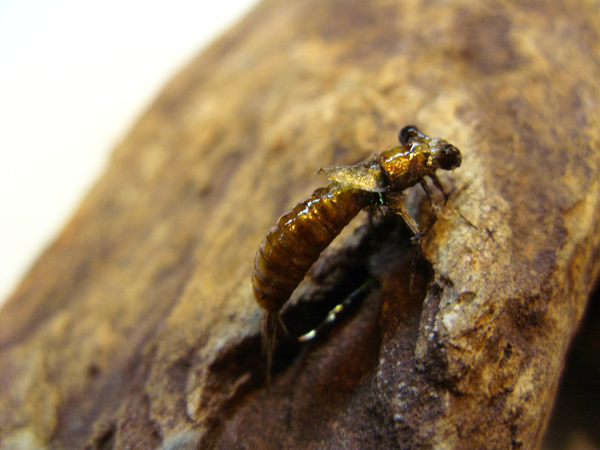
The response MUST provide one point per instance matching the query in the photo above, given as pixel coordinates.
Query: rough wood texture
(137, 328)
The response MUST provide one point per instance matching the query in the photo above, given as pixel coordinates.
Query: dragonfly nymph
(295, 242)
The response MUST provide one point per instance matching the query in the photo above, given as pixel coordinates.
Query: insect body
(300, 235)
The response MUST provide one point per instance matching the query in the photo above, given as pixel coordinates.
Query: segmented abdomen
(296, 241)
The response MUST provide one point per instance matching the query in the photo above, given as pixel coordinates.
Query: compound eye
(407, 133)
(449, 157)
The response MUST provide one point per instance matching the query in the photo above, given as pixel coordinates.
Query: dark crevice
(238, 364)
(576, 411)
(307, 316)
(338, 274)
(333, 279)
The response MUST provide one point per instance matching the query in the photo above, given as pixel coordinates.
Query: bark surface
(137, 328)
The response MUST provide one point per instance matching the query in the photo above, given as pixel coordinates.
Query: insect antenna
(463, 217)
(457, 212)
(438, 184)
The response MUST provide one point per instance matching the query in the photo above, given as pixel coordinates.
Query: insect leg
(435, 209)
(429, 193)
(438, 184)
(395, 202)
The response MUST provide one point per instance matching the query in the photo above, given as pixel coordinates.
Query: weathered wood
(137, 328)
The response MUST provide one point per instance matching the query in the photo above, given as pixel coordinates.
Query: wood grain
(137, 328)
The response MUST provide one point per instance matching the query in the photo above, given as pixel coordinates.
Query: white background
(74, 76)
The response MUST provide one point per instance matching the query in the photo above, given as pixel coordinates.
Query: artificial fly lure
(295, 242)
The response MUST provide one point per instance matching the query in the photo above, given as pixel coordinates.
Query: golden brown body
(294, 244)
(296, 241)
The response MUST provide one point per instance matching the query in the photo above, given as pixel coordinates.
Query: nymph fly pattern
(300, 235)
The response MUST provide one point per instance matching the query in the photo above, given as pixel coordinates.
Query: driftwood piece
(137, 328)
